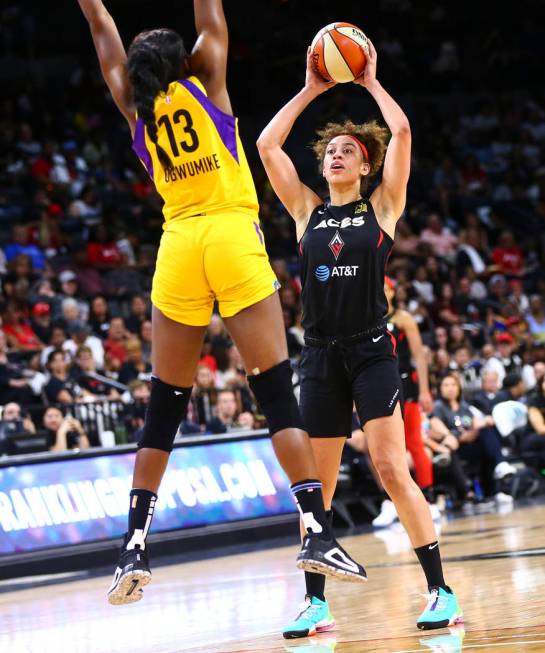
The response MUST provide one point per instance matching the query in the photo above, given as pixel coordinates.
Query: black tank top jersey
(343, 259)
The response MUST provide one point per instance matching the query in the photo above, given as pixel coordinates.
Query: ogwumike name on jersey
(192, 168)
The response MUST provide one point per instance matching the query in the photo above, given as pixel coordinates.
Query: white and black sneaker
(327, 557)
(131, 575)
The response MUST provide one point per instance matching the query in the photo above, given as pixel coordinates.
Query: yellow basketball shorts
(214, 256)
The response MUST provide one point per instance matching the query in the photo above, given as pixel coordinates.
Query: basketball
(339, 52)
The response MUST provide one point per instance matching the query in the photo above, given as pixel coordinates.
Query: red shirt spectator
(508, 256)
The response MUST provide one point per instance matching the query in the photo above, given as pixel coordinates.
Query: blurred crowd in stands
(80, 224)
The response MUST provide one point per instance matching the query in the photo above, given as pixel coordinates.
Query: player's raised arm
(298, 199)
(111, 55)
(389, 198)
(208, 60)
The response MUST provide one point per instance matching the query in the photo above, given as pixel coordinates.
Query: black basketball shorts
(335, 376)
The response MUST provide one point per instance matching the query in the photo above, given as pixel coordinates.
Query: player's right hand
(314, 80)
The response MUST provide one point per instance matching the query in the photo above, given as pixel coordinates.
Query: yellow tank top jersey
(210, 172)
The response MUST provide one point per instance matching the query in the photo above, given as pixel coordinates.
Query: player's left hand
(426, 402)
(370, 73)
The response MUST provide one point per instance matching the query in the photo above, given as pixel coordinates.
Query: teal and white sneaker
(441, 611)
(313, 618)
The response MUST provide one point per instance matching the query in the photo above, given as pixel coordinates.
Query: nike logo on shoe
(378, 338)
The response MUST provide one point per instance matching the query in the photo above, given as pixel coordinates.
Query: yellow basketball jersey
(210, 172)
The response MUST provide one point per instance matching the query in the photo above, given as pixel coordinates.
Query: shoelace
(309, 609)
(435, 601)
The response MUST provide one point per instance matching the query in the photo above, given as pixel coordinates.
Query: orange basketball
(339, 52)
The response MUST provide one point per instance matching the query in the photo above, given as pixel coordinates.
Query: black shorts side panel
(376, 384)
(325, 394)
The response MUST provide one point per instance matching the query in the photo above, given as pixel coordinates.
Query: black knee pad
(166, 409)
(274, 393)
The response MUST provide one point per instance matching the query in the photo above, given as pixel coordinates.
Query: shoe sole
(129, 588)
(299, 634)
(430, 625)
(318, 567)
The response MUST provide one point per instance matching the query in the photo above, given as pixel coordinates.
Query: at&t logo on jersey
(322, 272)
(340, 224)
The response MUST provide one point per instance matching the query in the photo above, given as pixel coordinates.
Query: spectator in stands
(63, 432)
(12, 412)
(70, 313)
(440, 239)
(468, 370)
(115, 348)
(41, 322)
(220, 341)
(84, 374)
(102, 250)
(478, 441)
(505, 359)
(535, 319)
(472, 254)
(135, 411)
(145, 339)
(443, 310)
(507, 256)
(99, 316)
(293, 337)
(81, 336)
(90, 280)
(20, 245)
(134, 367)
(13, 423)
(514, 388)
(57, 341)
(60, 387)
(204, 394)
(228, 417)
(70, 289)
(490, 394)
(533, 441)
(139, 314)
(17, 329)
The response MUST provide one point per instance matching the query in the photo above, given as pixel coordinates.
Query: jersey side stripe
(225, 124)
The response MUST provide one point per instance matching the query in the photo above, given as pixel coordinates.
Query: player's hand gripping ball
(339, 52)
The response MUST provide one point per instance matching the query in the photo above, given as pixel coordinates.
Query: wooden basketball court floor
(495, 562)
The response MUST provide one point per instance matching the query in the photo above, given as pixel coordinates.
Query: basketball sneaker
(131, 575)
(442, 610)
(313, 618)
(387, 516)
(327, 557)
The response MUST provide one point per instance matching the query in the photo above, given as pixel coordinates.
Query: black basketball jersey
(343, 259)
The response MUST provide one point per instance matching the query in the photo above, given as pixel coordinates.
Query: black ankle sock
(141, 507)
(430, 560)
(315, 583)
(309, 499)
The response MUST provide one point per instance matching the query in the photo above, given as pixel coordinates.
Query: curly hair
(375, 137)
(154, 60)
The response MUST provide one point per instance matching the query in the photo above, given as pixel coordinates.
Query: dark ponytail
(154, 60)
